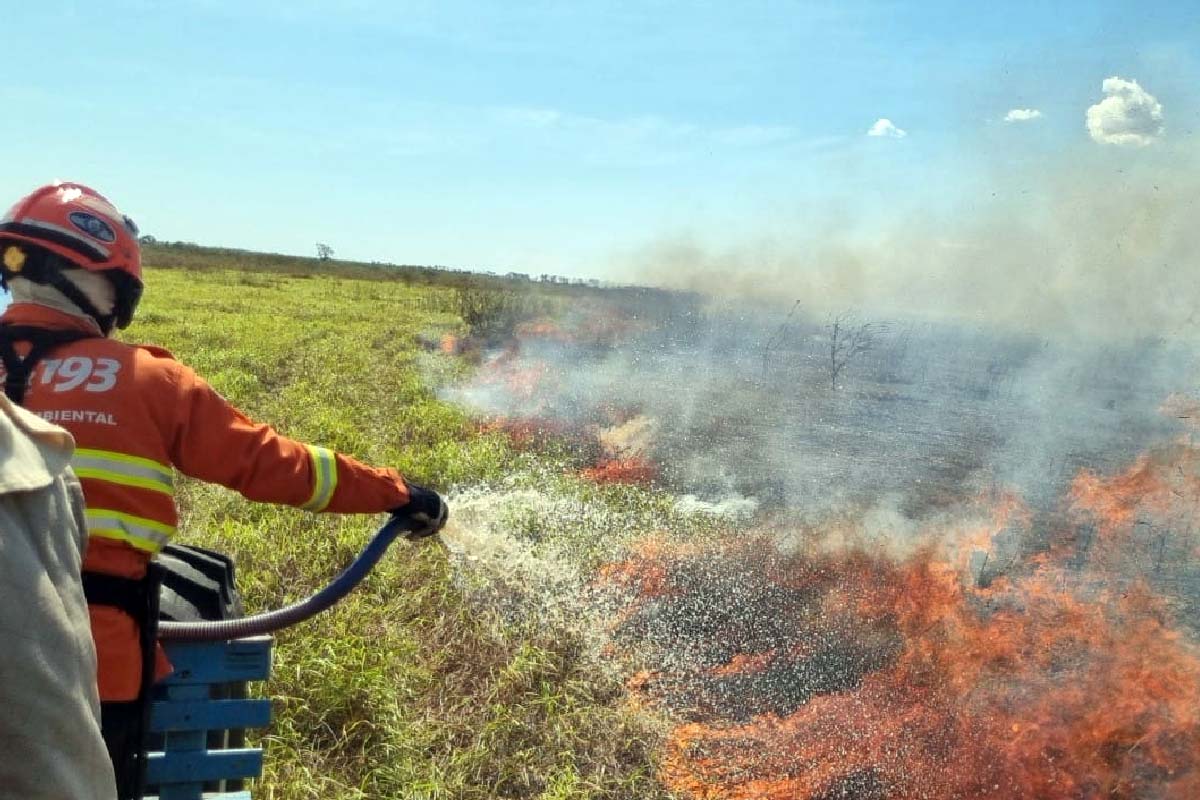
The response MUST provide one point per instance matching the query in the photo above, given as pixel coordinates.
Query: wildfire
(591, 327)
(525, 383)
(611, 443)
(537, 432)
(626, 446)
(1001, 652)
(1143, 515)
(849, 673)
(629, 470)
(988, 650)
(534, 433)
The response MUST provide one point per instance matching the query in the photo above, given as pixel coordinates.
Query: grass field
(510, 665)
(407, 689)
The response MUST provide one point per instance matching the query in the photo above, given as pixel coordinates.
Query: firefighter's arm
(215, 442)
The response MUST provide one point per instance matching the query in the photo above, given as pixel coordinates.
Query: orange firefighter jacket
(137, 416)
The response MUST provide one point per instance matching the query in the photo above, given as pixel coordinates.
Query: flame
(1145, 517)
(1046, 701)
(838, 672)
(627, 470)
(543, 329)
(611, 446)
(534, 432)
(644, 572)
(633, 437)
(525, 383)
(996, 656)
(599, 326)
(744, 663)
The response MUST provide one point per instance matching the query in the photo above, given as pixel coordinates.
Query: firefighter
(73, 266)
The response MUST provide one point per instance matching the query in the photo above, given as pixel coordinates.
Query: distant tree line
(189, 255)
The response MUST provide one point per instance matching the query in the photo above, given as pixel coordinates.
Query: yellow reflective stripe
(124, 480)
(145, 534)
(325, 478)
(110, 533)
(123, 469)
(112, 455)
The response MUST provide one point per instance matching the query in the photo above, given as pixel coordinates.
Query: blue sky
(572, 138)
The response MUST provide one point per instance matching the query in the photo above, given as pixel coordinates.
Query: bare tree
(324, 251)
(848, 339)
(776, 338)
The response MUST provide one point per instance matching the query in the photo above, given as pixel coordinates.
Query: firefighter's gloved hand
(423, 515)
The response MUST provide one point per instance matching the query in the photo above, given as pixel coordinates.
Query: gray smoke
(1033, 334)
(743, 405)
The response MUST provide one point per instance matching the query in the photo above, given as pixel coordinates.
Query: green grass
(409, 688)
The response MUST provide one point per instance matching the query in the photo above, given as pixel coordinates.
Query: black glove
(423, 515)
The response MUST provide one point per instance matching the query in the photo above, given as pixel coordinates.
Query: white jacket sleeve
(50, 743)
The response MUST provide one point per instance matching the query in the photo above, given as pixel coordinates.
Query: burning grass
(540, 433)
(627, 470)
(844, 672)
(991, 669)
(992, 651)
(997, 652)
(1145, 517)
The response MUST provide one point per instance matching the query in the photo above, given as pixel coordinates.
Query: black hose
(270, 621)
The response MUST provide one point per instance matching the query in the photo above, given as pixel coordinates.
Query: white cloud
(884, 127)
(1022, 115)
(1129, 115)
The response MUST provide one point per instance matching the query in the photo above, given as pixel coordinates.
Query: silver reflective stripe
(124, 469)
(324, 465)
(144, 534)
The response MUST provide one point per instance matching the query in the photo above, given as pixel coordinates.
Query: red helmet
(80, 227)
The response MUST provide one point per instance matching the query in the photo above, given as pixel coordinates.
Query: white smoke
(733, 508)
(1081, 242)
(1129, 115)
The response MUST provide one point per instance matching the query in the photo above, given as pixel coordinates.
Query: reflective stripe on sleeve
(124, 469)
(144, 534)
(324, 465)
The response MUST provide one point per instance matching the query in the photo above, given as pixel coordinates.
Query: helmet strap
(17, 370)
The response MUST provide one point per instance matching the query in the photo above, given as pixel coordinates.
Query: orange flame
(1138, 514)
(1039, 685)
(627, 470)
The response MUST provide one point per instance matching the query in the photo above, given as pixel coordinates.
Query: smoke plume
(1104, 244)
